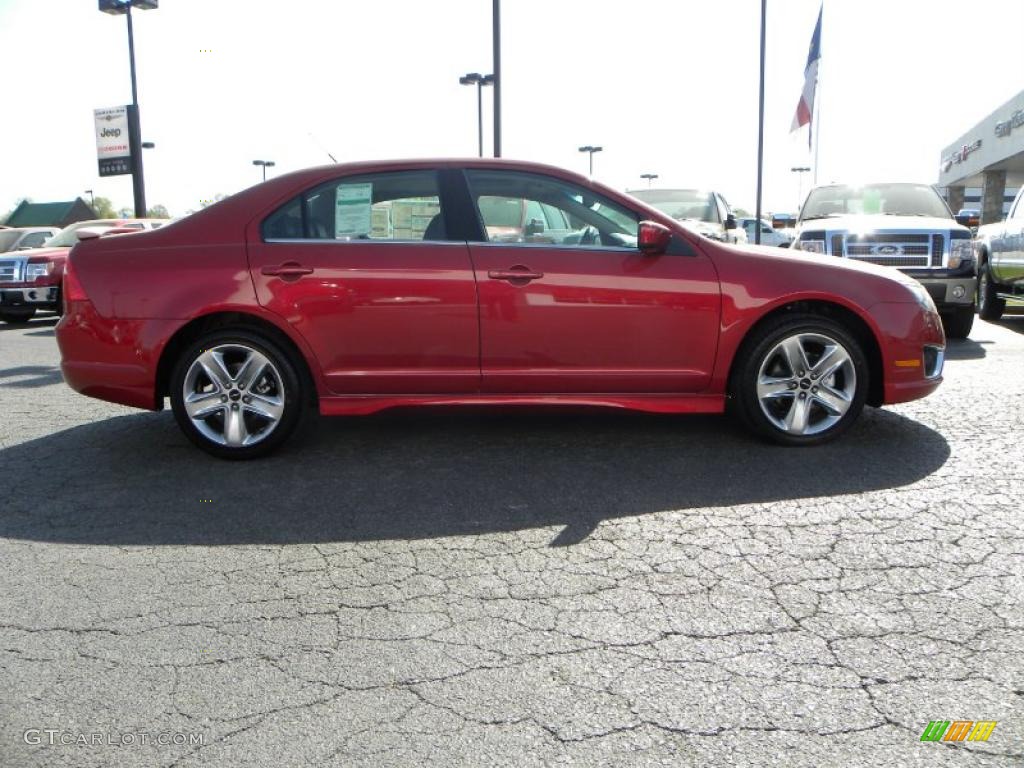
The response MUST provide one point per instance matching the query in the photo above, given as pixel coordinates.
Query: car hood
(876, 223)
(798, 259)
(35, 252)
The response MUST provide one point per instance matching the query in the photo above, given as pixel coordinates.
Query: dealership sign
(112, 145)
(1016, 120)
(961, 155)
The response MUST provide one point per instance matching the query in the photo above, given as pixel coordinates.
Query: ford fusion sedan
(349, 289)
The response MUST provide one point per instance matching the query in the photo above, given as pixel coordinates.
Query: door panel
(381, 317)
(595, 320)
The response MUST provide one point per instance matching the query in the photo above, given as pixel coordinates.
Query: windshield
(681, 203)
(67, 237)
(8, 237)
(886, 199)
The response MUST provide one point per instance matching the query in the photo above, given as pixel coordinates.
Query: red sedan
(354, 288)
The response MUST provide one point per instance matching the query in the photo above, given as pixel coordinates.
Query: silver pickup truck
(906, 226)
(1000, 254)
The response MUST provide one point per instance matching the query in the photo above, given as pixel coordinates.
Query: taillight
(73, 290)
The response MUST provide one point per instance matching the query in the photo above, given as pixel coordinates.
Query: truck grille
(10, 270)
(891, 249)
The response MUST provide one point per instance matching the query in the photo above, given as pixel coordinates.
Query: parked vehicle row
(906, 226)
(360, 287)
(1000, 251)
(23, 238)
(30, 279)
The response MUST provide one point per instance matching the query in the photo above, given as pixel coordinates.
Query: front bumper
(41, 296)
(913, 351)
(948, 288)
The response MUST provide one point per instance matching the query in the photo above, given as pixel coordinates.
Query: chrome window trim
(357, 241)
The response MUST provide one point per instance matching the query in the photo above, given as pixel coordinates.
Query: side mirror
(730, 221)
(653, 238)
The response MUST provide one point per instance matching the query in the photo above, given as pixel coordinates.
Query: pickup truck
(30, 280)
(902, 225)
(1000, 253)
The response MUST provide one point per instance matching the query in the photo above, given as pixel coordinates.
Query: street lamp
(650, 177)
(92, 198)
(117, 8)
(480, 81)
(266, 164)
(800, 170)
(591, 150)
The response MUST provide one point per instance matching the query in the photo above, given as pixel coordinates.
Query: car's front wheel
(990, 306)
(16, 316)
(800, 380)
(958, 323)
(236, 394)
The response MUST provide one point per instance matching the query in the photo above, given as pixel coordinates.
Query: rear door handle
(515, 274)
(288, 269)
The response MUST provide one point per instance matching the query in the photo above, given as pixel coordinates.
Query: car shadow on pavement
(30, 376)
(965, 349)
(135, 480)
(38, 323)
(1012, 322)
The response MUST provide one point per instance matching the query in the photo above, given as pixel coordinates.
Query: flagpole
(817, 108)
(760, 132)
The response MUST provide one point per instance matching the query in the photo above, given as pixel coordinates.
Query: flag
(805, 107)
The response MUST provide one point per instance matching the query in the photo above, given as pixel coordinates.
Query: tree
(104, 208)
(158, 212)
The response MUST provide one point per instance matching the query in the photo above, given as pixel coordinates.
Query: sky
(664, 86)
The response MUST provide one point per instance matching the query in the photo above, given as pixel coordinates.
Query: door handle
(288, 269)
(515, 274)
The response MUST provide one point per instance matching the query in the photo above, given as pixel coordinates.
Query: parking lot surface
(512, 587)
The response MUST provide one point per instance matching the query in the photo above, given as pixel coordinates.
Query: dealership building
(986, 162)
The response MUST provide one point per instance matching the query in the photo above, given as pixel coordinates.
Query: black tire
(957, 324)
(760, 349)
(17, 316)
(287, 386)
(990, 306)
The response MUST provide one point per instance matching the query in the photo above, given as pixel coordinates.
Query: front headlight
(811, 246)
(960, 252)
(921, 296)
(37, 269)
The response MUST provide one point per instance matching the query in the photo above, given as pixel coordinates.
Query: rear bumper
(106, 359)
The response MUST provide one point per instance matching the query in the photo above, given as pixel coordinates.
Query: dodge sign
(112, 146)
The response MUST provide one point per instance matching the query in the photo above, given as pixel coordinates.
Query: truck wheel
(958, 324)
(236, 395)
(17, 316)
(990, 306)
(800, 380)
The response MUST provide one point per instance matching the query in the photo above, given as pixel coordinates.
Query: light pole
(800, 170)
(496, 69)
(650, 177)
(266, 164)
(92, 198)
(117, 8)
(480, 81)
(591, 150)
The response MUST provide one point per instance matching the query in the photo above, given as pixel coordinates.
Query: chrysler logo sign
(887, 250)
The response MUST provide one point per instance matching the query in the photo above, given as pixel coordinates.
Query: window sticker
(352, 210)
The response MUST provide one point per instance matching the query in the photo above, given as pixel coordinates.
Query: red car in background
(30, 279)
(355, 288)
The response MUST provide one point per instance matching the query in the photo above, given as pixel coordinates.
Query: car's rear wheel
(16, 316)
(236, 394)
(800, 380)
(958, 323)
(990, 306)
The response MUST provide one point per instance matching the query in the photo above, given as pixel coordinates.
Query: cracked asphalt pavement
(515, 588)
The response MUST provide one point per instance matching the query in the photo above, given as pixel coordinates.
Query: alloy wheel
(806, 383)
(234, 395)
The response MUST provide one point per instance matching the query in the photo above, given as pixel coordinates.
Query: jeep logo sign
(112, 148)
